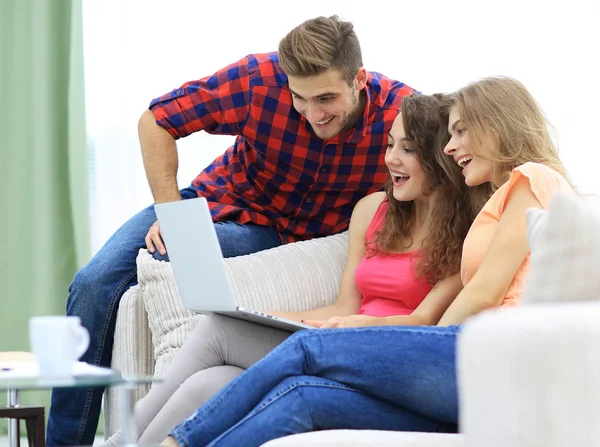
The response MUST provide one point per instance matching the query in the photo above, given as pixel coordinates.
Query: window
(136, 50)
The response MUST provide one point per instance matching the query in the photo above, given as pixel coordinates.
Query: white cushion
(364, 438)
(169, 322)
(565, 251)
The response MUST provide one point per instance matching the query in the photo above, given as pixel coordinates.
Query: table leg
(13, 424)
(130, 435)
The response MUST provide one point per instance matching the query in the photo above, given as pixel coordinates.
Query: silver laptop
(198, 265)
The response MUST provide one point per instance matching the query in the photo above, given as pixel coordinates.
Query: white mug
(57, 342)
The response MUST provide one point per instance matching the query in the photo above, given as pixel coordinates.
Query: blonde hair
(318, 45)
(504, 106)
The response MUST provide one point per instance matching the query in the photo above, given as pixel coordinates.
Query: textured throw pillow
(170, 323)
(565, 251)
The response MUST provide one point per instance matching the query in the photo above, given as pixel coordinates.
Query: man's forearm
(159, 153)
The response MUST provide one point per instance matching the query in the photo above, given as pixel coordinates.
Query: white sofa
(528, 376)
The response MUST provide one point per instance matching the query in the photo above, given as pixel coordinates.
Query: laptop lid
(195, 255)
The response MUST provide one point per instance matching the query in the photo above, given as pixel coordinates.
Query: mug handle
(83, 337)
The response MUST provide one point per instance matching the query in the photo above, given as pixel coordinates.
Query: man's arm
(159, 152)
(218, 104)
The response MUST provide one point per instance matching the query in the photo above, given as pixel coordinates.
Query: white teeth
(464, 160)
(395, 174)
(320, 123)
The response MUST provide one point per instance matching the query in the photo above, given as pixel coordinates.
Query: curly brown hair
(441, 250)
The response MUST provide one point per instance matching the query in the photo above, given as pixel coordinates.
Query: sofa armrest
(132, 354)
(530, 376)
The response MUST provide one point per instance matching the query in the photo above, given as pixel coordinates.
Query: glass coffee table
(109, 378)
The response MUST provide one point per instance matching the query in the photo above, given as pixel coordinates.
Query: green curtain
(44, 223)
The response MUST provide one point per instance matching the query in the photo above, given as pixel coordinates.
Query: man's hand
(154, 240)
(338, 322)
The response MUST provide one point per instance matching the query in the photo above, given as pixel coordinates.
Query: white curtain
(136, 50)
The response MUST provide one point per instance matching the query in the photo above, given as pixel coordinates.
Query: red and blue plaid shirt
(278, 172)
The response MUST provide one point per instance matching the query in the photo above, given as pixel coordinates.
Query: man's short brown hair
(318, 45)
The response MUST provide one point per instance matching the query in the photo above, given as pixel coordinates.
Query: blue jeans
(94, 296)
(394, 378)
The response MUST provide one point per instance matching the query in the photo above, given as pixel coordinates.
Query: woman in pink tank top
(404, 243)
(404, 377)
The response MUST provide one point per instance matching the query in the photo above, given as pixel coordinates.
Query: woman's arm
(507, 252)
(349, 297)
(428, 313)
(431, 309)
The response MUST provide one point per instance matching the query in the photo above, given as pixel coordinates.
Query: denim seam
(291, 387)
(88, 401)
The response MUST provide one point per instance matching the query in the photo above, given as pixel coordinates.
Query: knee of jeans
(85, 280)
(291, 383)
(293, 389)
(90, 295)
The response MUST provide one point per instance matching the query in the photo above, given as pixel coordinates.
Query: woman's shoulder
(542, 180)
(371, 203)
(368, 208)
(533, 169)
(540, 177)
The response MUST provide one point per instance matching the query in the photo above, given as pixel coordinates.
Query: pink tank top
(388, 281)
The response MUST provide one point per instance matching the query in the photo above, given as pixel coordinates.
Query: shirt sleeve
(218, 104)
(543, 181)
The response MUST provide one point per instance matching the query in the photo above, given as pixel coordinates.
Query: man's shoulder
(264, 70)
(387, 92)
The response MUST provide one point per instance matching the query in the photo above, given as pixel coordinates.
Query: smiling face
(327, 101)
(474, 157)
(405, 168)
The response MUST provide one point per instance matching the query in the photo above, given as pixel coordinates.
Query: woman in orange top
(404, 377)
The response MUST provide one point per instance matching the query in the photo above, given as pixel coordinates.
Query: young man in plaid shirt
(311, 127)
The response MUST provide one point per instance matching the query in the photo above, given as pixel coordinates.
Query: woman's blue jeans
(94, 296)
(392, 378)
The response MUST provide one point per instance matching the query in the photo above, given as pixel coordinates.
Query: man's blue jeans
(94, 296)
(388, 378)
